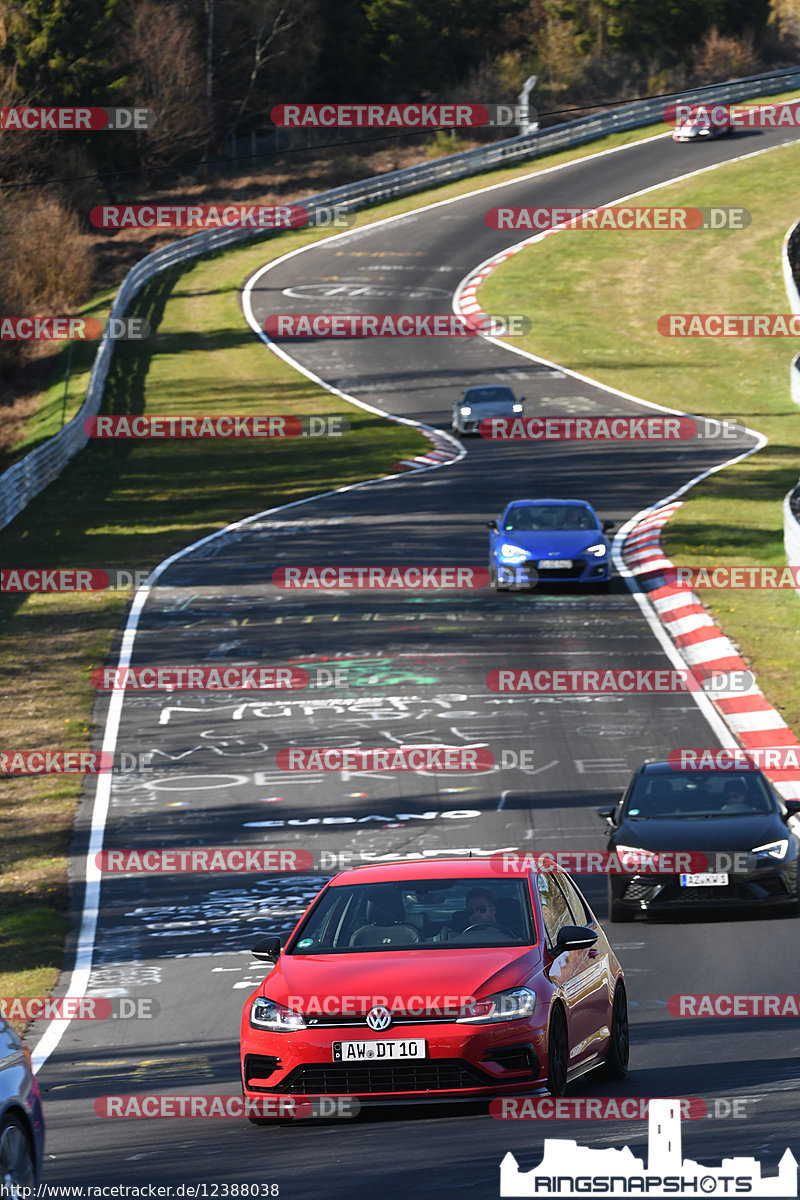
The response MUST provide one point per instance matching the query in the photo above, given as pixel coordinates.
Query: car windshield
(530, 517)
(699, 794)
(496, 395)
(417, 914)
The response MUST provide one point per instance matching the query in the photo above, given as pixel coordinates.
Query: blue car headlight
(599, 550)
(512, 554)
(465, 410)
(777, 849)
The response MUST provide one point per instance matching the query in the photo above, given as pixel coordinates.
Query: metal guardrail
(26, 478)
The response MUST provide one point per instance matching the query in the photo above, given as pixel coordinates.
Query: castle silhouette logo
(568, 1169)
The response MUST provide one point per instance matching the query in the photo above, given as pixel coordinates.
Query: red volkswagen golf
(436, 980)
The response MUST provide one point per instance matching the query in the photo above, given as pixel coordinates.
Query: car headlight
(516, 408)
(465, 410)
(599, 550)
(776, 849)
(513, 554)
(634, 858)
(267, 1014)
(513, 1004)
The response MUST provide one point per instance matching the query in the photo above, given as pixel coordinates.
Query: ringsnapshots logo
(568, 1169)
(68, 329)
(400, 116)
(228, 426)
(395, 325)
(76, 120)
(619, 218)
(220, 216)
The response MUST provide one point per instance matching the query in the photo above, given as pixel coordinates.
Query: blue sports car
(558, 540)
(21, 1120)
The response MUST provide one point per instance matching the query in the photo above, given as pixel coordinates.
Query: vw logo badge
(379, 1018)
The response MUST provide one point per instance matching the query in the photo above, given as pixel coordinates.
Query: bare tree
(167, 76)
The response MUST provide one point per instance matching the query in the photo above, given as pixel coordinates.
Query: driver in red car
(481, 908)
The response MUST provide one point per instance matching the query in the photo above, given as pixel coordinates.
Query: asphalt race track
(417, 664)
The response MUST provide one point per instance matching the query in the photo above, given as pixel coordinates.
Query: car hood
(701, 833)
(410, 977)
(555, 543)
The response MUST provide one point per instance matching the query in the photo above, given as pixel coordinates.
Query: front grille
(340, 1020)
(331, 1079)
(637, 889)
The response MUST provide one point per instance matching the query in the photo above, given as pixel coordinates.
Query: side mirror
(267, 949)
(522, 400)
(792, 807)
(608, 526)
(492, 525)
(574, 937)
(607, 814)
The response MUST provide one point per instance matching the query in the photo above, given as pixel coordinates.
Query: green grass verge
(596, 298)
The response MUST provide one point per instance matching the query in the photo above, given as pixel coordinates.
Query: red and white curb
(445, 450)
(701, 643)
